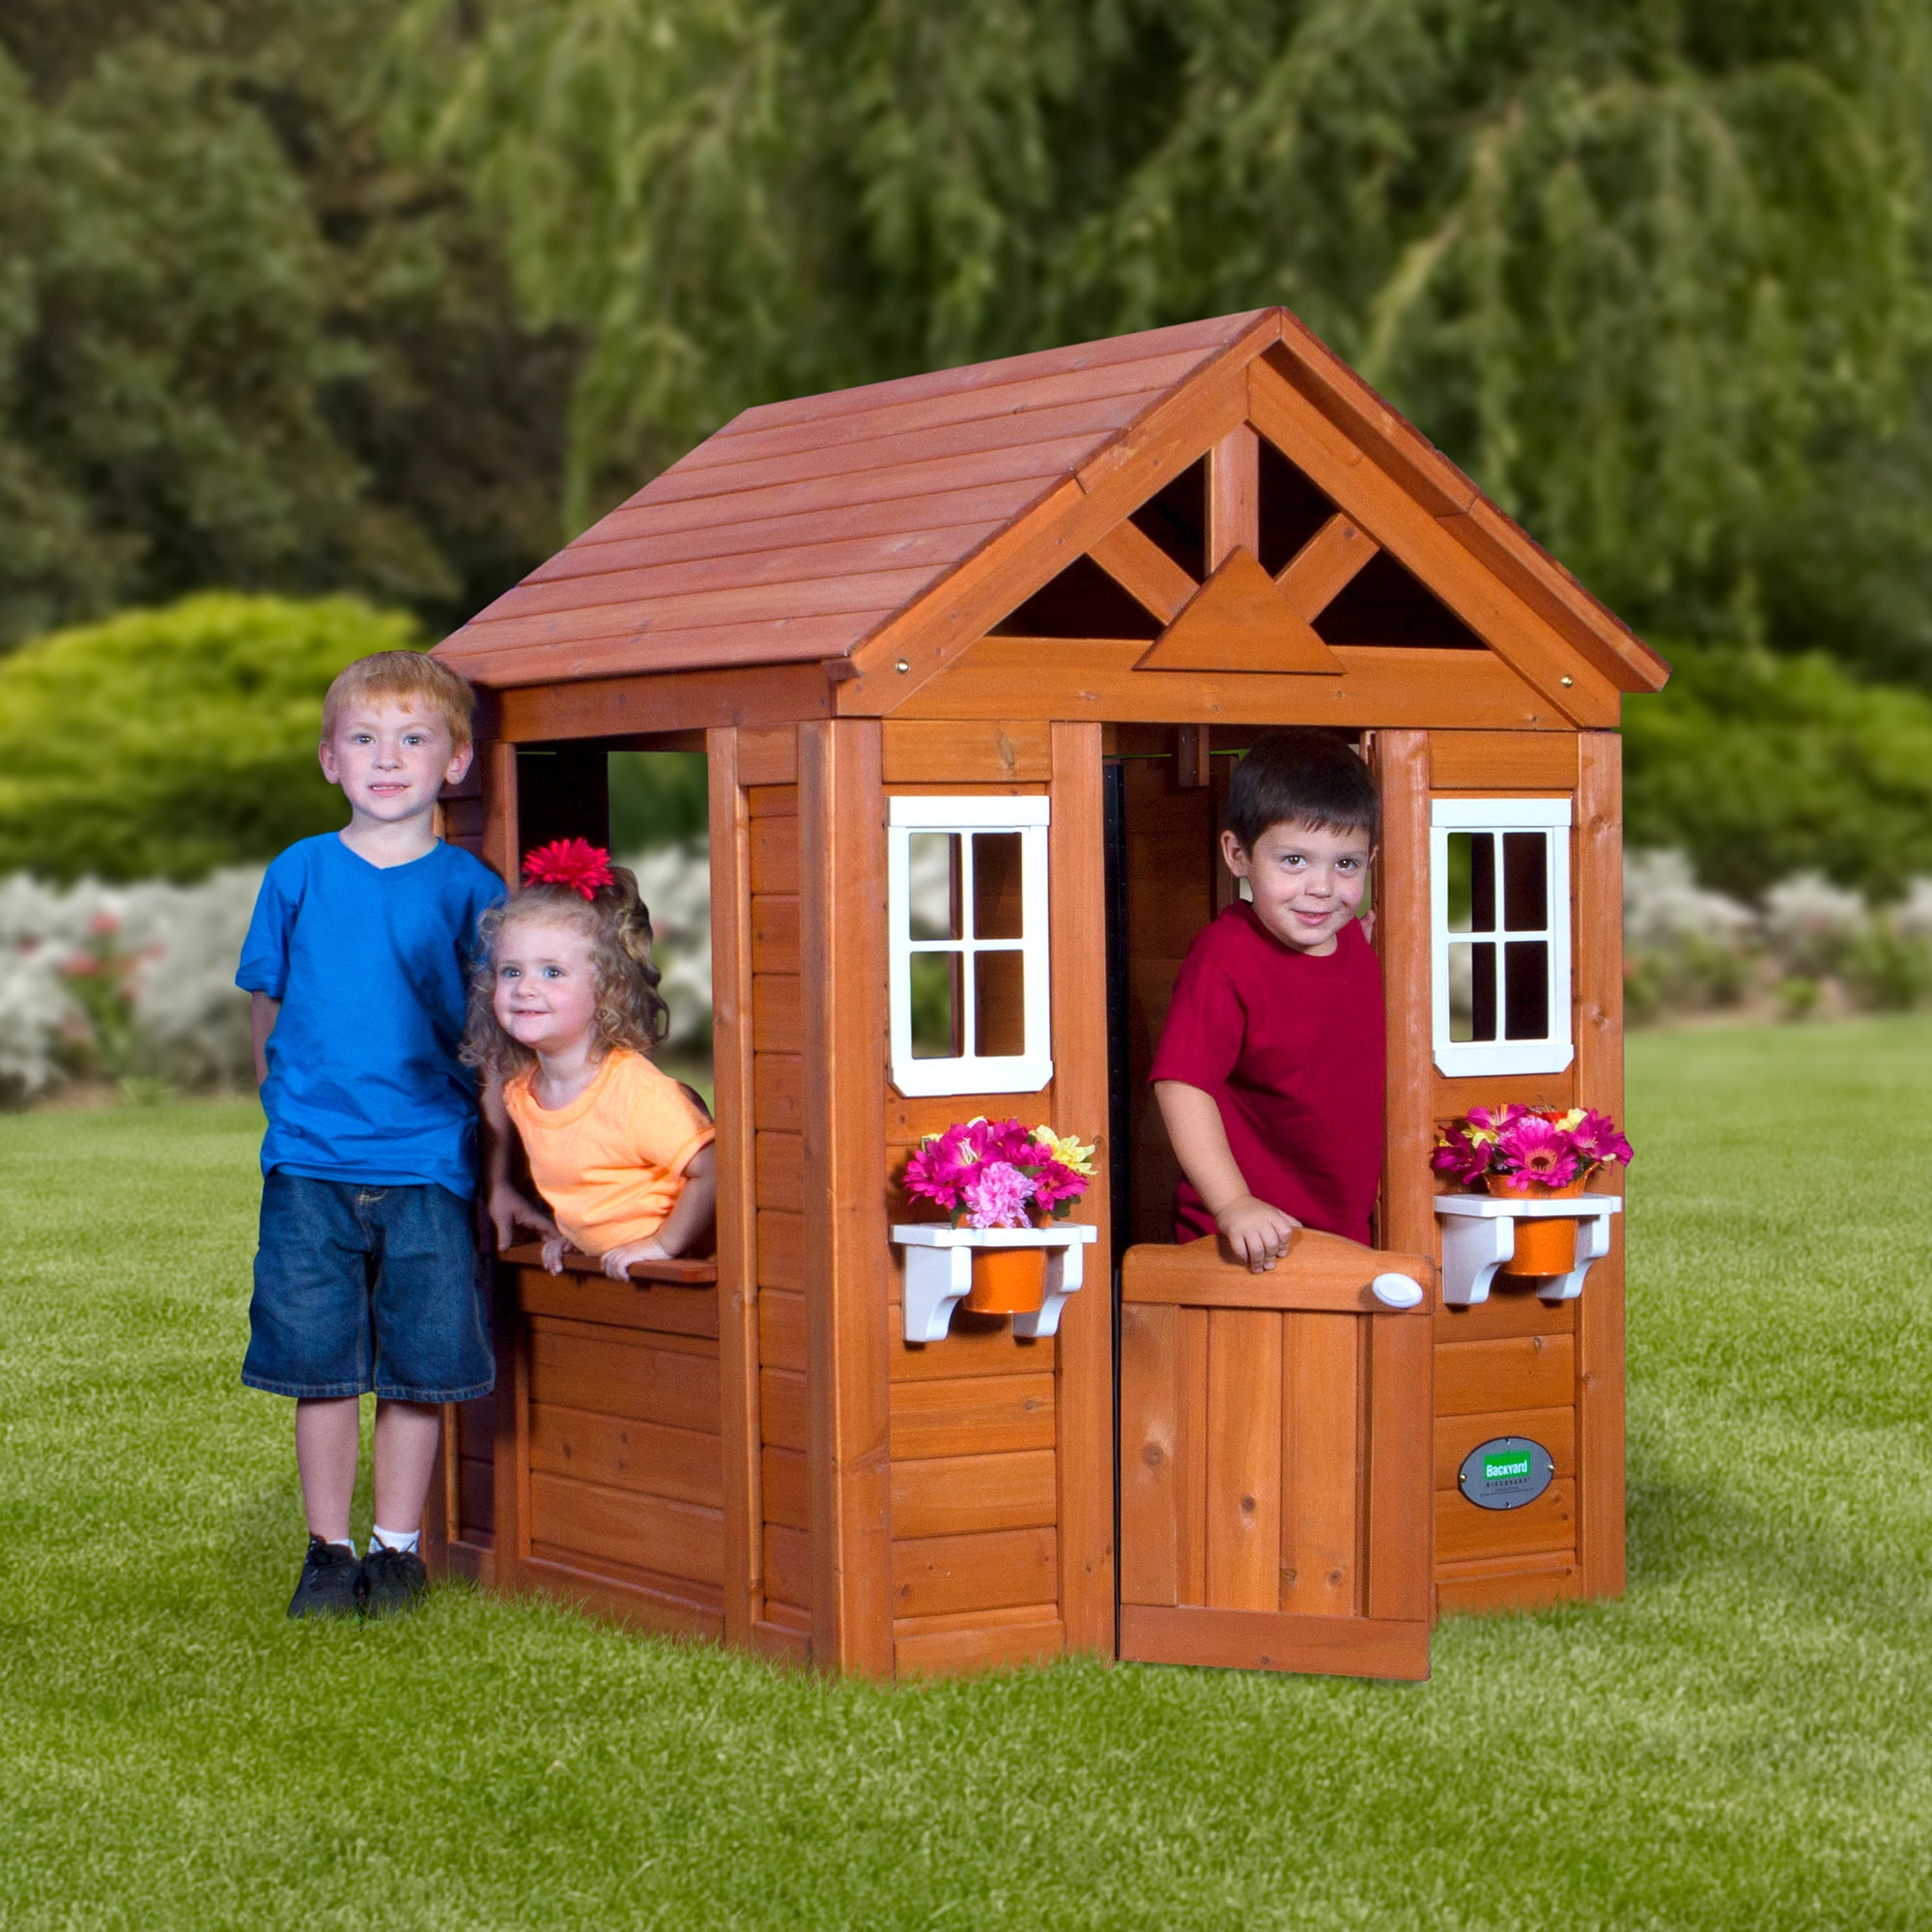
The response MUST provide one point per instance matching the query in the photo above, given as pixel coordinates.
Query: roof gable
(893, 524)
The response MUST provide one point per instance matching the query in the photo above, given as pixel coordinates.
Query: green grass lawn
(1742, 1742)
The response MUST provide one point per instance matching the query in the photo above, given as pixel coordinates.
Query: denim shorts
(363, 1287)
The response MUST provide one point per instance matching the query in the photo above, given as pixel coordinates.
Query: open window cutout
(1082, 602)
(1176, 518)
(966, 944)
(1499, 934)
(1292, 509)
(1382, 604)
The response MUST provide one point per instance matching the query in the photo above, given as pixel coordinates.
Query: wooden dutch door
(1275, 1460)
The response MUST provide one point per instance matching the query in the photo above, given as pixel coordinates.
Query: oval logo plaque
(1505, 1472)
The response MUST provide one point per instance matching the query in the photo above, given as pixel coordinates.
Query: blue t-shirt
(370, 964)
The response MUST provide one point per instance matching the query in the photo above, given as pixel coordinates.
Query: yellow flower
(1067, 1150)
(1571, 1121)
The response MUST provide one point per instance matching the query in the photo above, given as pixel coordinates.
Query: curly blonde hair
(631, 1011)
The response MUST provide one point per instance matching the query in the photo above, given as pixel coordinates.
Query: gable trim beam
(1144, 570)
(1065, 524)
(1324, 566)
(1374, 501)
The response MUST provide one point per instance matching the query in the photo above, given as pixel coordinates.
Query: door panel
(1275, 1460)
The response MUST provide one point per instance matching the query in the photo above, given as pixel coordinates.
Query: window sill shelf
(681, 1273)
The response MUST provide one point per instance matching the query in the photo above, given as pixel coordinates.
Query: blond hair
(405, 675)
(631, 1011)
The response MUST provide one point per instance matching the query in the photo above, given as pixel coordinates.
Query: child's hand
(510, 1210)
(617, 1262)
(553, 1253)
(1258, 1234)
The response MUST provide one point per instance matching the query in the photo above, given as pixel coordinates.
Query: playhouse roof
(803, 529)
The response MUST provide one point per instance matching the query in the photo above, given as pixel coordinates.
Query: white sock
(347, 1543)
(396, 1539)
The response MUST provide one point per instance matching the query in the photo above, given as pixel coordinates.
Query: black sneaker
(394, 1581)
(331, 1581)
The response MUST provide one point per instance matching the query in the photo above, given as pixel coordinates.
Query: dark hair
(1304, 777)
(631, 1011)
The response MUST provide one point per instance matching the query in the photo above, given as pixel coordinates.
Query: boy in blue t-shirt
(366, 1275)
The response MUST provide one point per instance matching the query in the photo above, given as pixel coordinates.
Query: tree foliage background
(388, 296)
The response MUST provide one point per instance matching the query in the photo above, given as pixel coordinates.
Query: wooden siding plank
(1271, 1641)
(1464, 1532)
(1509, 1311)
(1401, 1523)
(843, 935)
(787, 1569)
(1190, 1355)
(1013, 750)
(786, 1488)
(646, 1306)
(780, 1250)
(768, 766)
(961, 1495)
(638, 1598)
(958, 1653)
(782, 1330)
(780, 1165)
(674, 1539)
(976, 1345)
(684, 1464)
(1531, 1371)
(577, 1368)
(1322, 1443)
(777, 1022)
(778, 1083)
(1504, 762)
(970, 1415)
(559, 704)
(784, 1409)
(988, 1571)
(1244, 1494)
(774, 857)
(1151, 1454)
(775, 935)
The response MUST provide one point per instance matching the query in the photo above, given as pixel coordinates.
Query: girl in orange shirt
(564, 1013)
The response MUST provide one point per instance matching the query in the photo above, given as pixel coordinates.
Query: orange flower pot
(1544, 1246)
(1007, 1281)
(1509, 1187)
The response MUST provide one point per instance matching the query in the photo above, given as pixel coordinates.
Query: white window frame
(971, 1073)
(1461, 1058)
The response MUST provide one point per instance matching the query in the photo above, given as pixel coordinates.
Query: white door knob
(1396, 1290)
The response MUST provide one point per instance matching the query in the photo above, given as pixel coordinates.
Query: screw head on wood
(902, 666)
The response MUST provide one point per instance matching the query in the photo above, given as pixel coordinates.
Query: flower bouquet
(1001, 1173)
(1531, 1153)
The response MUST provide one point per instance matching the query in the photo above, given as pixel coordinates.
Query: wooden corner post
(1086, 1393)
(843, 962)
(1599, 1084)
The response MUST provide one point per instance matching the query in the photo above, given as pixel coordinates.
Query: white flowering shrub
(122, 979)
(1665, 905)
(1912, 916)
(1811, 923)
(674, 882)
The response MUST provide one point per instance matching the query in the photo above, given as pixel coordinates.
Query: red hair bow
(575, 863)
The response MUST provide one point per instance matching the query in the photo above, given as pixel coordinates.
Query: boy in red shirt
(1269, 1071)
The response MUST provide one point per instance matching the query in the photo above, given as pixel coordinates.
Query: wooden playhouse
(970, 654)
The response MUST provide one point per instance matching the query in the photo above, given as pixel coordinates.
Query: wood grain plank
(1401, 1522)
(1522, 1583)
(1464, 1532)
(1244, 1494)
(782, 1330)
(779, 1089)
(787, 1569)
(786, 1488)
(573, 1367)
(687, 1309)
(774, 855)
(986, 1571)
(1271, 1641)
(1096, 678)
(843, 935)
(768, 765)
(958, 1496)
(1010, 751)
(1319, 1272)
(775, 932)
(780, 1169)
(778, 1024)
(1402, 762)
(1234, 495)
(1324, 566)
(976, 1344)
(784, 1409)
(1509, 761)
(970, 1415)
(959, 1653)
(557, 702)
(671, 1538)
(780, 1250)
(1510, 1309)
(1322, 1465)
(1529, 1371)
(684, 1464)
(1150, 1426)
(612, 644)
(1190, 1355)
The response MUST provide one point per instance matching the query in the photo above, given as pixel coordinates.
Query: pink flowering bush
(998, 1174)
(1529, 1147)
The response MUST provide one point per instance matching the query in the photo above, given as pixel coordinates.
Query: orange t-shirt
(611, 1163)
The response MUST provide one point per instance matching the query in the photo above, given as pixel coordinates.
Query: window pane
(1526, 989)
(1472, 882)
(996, 885)
(1526, 881)
(935, 1004)
(1473, 992)
(932, 880)
(999, 1002)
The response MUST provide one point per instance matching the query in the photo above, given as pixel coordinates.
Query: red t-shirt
(1291, 1047)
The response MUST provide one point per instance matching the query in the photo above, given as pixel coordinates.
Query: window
(966, 899)
(1499, 929)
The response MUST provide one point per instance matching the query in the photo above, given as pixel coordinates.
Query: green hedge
(163, 743)
(1761, 766)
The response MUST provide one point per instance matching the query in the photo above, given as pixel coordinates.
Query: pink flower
(102, 924)
(942, 1165)
(996, 1196)
(1459, 1157)
(1596, 1139)
(1493, 1119)
(1532, 1150)
(79, 965)
(1054, 1183)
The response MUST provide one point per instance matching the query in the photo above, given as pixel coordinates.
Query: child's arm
(263, 1013)
(509, 1208)
(1258, 1234)
(690, 1218)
